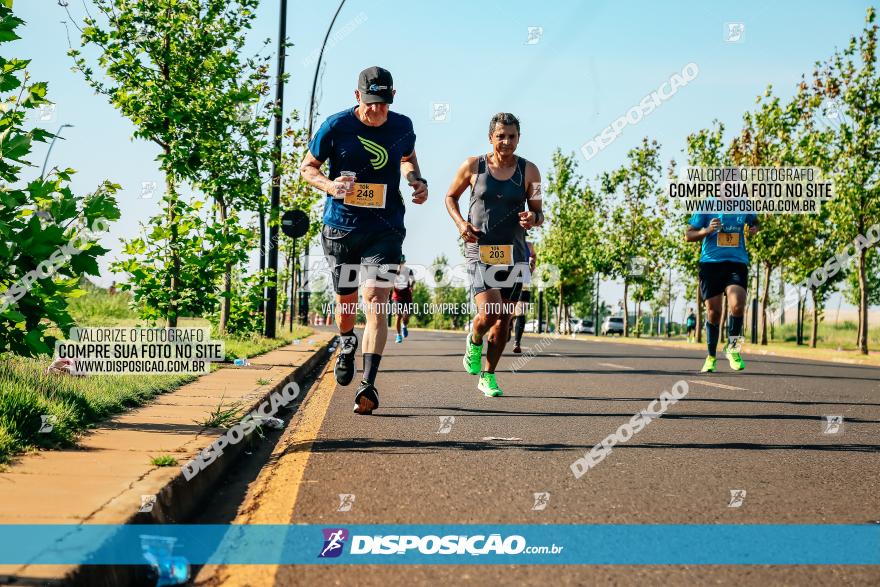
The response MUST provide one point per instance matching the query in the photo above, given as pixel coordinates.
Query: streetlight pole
(318, 68)
(52, 144)
(304, 292)
(275, 200)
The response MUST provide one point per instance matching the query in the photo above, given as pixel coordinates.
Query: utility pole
(304, 292)
(275, 201)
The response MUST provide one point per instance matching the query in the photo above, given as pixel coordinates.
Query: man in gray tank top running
(505, 202)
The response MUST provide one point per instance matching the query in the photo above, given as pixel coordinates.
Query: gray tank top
(494, 209)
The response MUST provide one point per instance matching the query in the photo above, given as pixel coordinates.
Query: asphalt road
(760, 431)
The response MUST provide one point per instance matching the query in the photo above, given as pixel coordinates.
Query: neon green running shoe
(488, 385)
(709, 365)
(473, 354)
(735, 360)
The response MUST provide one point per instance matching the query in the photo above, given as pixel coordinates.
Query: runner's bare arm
(311, 172)
(535, 215)
(693, 235)
(533, 257)
(409, 168)
(463, 178)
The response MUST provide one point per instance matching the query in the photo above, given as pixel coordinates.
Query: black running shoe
(367, 399)
(345, 367)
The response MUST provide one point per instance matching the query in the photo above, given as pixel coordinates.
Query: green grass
(250, 346)
(223, 416)
(163, 461)
(27, 392)
(830, 336)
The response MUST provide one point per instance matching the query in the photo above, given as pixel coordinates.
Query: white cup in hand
(344, 184)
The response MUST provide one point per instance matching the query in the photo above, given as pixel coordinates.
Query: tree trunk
(226, 298)
(262, 256)
(765, 297)
(174, 285)
(625, 308)
(699, 313)
(814, 331)
(782, 296)
(561, 326)
(638, 317)
(863, 304)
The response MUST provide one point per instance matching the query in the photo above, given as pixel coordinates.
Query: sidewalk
(103, 479)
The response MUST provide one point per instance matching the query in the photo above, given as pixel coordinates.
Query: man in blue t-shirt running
(368, 148)
(724, 269)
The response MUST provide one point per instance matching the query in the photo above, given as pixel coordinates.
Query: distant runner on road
(691, 324)
(368, 148)
(504, 203)
(724, 269)
(402, 297)
(519, 320)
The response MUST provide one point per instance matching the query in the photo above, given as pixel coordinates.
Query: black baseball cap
(376, 85)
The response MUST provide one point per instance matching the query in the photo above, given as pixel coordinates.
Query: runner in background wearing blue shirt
(368, 148)
(724, 269)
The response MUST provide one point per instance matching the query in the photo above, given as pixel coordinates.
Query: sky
(585, 66)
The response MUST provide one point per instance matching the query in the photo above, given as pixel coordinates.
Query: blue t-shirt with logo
(732, 225)
(373, 153)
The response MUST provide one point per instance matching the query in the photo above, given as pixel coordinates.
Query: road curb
(176, 498)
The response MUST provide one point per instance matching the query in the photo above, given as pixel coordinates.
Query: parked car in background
(581, 326)
(612, 325)
(532, 326)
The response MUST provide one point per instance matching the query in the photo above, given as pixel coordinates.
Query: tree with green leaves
(766, 140)
(172, 68)
(48, 235)
(633, 190)
(572, 238)
(848, 83)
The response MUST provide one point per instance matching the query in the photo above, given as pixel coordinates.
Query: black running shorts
(715, 277)
(347, 250)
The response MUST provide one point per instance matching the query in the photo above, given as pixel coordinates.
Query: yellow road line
(272, 496)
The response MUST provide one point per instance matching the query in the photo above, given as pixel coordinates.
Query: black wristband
(423, 180)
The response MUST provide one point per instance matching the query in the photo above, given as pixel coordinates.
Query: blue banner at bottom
(640, 544)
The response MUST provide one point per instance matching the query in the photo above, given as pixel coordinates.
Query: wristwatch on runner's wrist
(422, 179)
